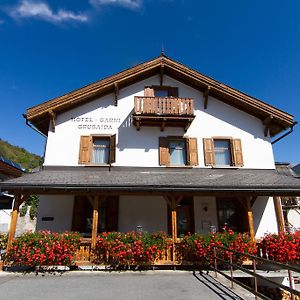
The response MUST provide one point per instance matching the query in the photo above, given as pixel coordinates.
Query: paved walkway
(124, 285)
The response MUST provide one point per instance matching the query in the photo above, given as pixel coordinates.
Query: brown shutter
(164, 155)
(112, 150)
(209, 155)
(112, 213)
(148, 92)
(237, 152)
(84, 149)
(173, 92)
(192, 151)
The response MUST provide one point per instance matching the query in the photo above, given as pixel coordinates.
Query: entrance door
(83, 215)
(185, 217)
(232, 214)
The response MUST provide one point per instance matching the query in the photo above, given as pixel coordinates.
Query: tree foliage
(19, 155)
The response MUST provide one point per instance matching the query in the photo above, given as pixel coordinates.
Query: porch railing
(255, 260)
(163, 106)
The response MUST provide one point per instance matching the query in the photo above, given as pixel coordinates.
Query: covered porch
(177, 201)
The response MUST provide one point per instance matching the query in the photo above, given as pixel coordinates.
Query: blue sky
(48, 48)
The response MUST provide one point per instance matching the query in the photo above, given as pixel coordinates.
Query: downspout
(39, 132)
(286, 134)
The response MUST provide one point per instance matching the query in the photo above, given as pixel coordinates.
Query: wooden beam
(250, 219)
(116, 89)
(95, 221)
(279, 213)
(52, 120)
(161, 81)
(19, 199)
(206, 94)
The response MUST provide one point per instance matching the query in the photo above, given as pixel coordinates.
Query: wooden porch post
(19, 199)
(250, 219)
(279, 213)
(95, 202)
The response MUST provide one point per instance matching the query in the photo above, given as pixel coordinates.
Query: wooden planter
(1, 265)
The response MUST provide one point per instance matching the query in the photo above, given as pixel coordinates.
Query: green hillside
(19, 155)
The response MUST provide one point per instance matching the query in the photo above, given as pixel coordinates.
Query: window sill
(180, 167)
(225, 167)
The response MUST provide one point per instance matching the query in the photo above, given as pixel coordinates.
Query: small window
(222, 152)
(101, 149)
(177, 150)
(97, 150)
(160, 91)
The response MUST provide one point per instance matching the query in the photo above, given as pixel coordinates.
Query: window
(223, 152)
(161, 91)
(178, 151)
(101, 148)
(97, 149)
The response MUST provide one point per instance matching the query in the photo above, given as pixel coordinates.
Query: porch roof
(57, 180)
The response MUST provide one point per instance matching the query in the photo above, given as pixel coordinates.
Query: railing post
(216, 264)
(291, 283)
(231, 269)
(255, 278)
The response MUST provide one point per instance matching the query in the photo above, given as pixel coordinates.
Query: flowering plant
(282, 247)
(132, 248)
(3, 241)
(43, 248)
(200, 248)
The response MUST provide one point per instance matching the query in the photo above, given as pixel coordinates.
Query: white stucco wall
(60, 207)
(264, 216)
(293, 217)
(205, 218)
(140, 148)
(150, 212)
(5, 216)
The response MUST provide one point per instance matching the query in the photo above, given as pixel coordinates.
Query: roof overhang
(276, 120)
(156, 181)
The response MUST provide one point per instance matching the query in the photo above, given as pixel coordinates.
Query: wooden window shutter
(173, 92)
(192, 151)
(149, 91)
(84, 149)
(209, 155)
(237, 153)
(164, 155)
(112, 149)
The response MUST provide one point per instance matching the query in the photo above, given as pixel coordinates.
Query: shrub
(200, 248)
(44, 248)
(282, 247)
(132, 248)
(3, 242)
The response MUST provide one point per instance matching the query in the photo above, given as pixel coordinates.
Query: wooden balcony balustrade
(168, 111)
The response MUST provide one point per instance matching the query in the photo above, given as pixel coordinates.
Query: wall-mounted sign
(95, 123)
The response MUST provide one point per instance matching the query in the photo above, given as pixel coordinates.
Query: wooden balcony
(169, 111)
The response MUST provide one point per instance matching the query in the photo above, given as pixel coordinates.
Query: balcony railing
(163, 106)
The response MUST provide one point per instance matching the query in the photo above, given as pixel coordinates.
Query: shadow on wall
(234, 117)
(258, 210)
(130, 138)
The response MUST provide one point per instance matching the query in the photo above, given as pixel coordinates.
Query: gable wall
(140, 148)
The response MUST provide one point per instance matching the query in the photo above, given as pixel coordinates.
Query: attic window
(161, 91)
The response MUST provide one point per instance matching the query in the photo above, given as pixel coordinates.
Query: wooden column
(95, 202)
(250, 219)
(14, 218)
(174, 219)
(279, 213)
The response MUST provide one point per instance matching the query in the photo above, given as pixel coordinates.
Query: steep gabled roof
(276, 120)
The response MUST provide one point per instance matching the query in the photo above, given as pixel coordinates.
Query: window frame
(89, 152)
(236, 152)
(191, 153)
(229, 140)
(149, 91)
